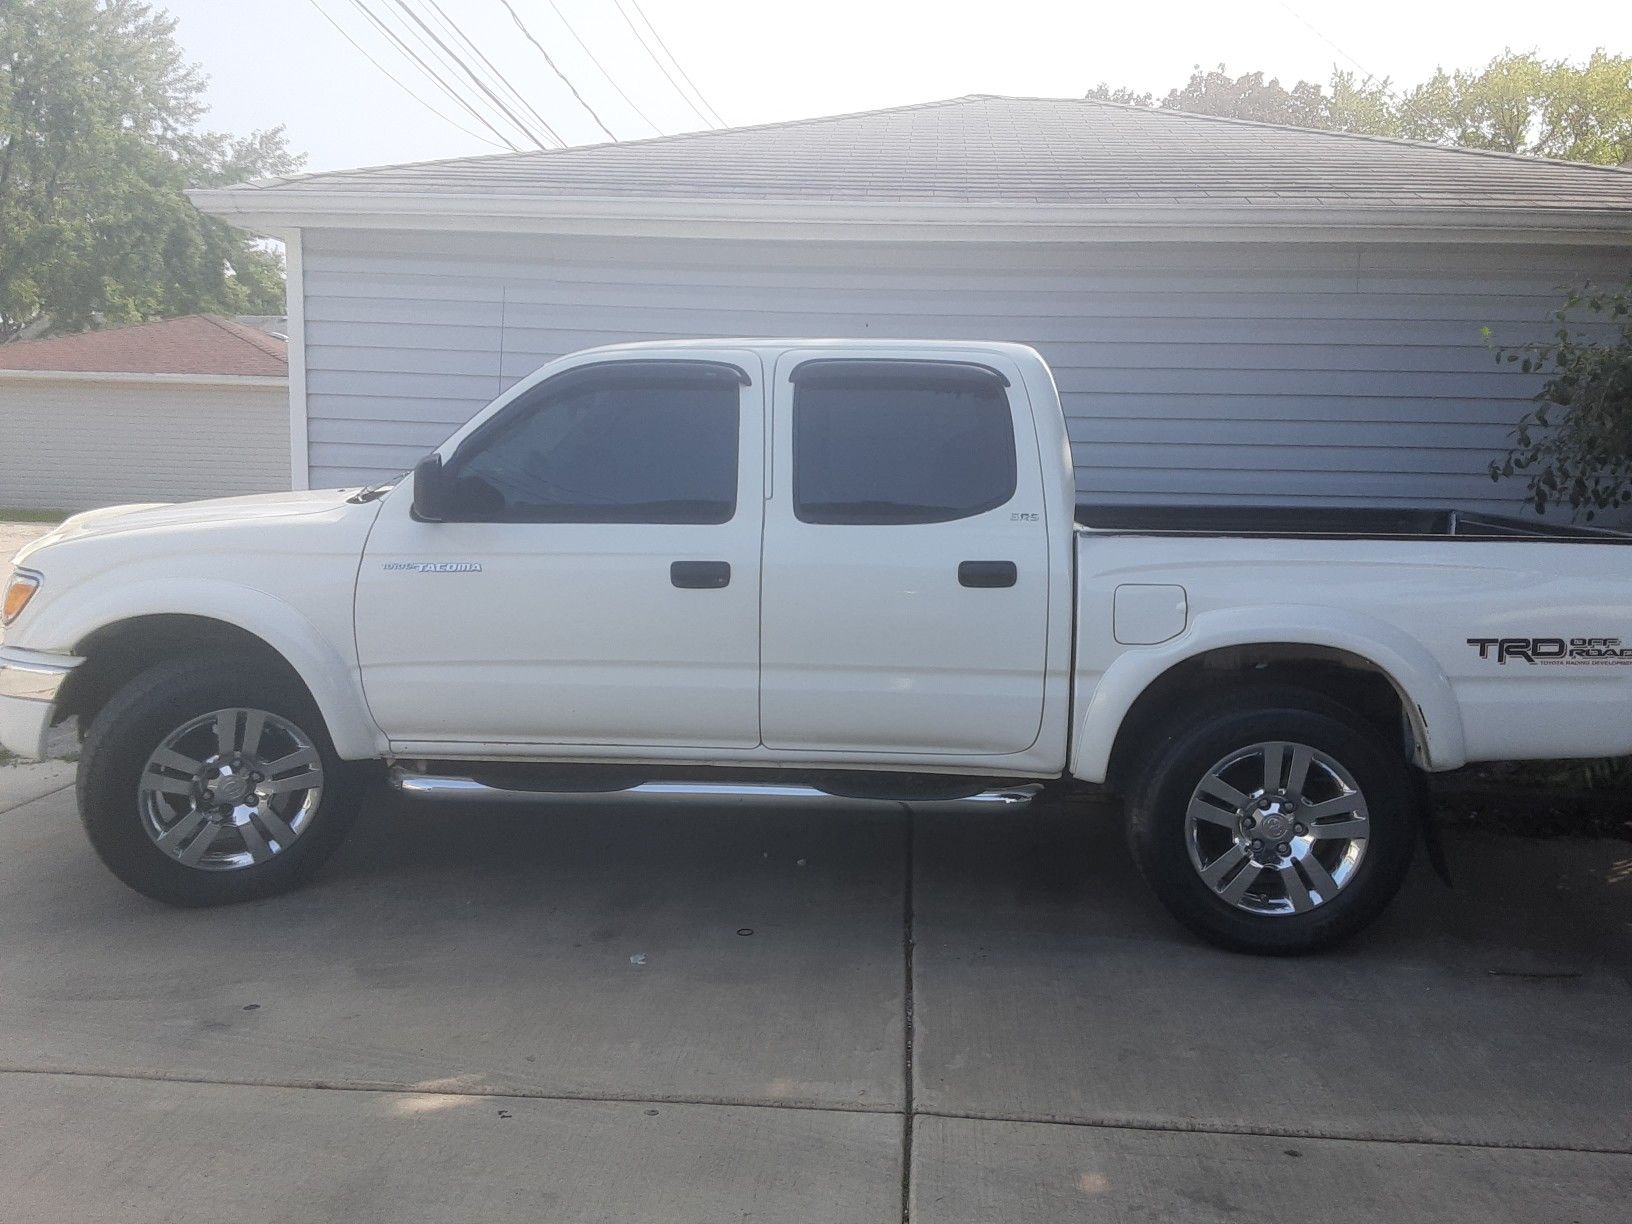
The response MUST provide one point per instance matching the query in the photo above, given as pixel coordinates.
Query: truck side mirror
(432, 490)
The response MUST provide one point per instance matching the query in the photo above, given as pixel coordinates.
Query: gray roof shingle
(1001, 151)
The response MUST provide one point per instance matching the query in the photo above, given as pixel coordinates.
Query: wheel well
(117, 653)
(1338, 675)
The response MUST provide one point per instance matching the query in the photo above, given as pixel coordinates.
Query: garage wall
(80, 444)
(1293, 374)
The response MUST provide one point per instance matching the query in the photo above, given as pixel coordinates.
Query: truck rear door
(905, 576)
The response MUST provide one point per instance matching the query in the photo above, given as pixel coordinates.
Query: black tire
(1224, 724)
(138, 719)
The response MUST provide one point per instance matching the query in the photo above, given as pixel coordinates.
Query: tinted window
(902, 447)
(609, 449)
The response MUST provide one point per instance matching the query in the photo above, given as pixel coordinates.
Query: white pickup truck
(794, 569)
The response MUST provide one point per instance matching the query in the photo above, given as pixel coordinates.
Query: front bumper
(29, 683)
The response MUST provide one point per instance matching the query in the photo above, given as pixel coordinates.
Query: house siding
(78, 445)
(1297, 374)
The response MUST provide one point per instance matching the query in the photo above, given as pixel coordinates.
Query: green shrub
(1574, 448)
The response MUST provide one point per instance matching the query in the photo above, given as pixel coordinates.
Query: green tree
(1365, 106)
(1574, 448)
(1493, 108)
(1517, 103)
(1352, 105)
(1524, 104)
(1127, 97)
(1588, 116)
(1249, 96)
(99, 137)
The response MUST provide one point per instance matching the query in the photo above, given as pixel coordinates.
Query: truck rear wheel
(1273, 822)
(210, 782)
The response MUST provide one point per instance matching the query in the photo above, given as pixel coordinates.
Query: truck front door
(906, 566)
(596, 582)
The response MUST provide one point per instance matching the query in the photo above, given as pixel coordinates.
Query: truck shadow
(1528, 907)
(787, 956)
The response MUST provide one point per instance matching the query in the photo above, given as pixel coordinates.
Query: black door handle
(700, 575)
(988, 573)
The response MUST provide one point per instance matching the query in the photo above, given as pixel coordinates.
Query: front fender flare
(1430, 702)
(330, 675)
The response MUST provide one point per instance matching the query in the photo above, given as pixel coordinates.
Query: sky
(759, 61)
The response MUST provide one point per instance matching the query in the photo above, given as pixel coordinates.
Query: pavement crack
(17, 807)
(442, 1090)
(1181, 1126)
(1148, 1125)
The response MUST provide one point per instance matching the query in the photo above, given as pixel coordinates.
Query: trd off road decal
(436, 567)
(1534, 650)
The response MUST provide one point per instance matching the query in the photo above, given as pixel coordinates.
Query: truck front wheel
(1273, 821)
(209, 782)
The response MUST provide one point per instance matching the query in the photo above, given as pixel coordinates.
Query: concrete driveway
(848, 1015)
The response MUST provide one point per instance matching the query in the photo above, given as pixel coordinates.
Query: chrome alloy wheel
(1277, 828)
(230, 789)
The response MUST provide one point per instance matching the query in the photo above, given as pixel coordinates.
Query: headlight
(19, 591)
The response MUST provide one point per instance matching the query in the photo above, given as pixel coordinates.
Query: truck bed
(1334, 523)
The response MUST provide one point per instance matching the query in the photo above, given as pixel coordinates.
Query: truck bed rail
(1334, 523)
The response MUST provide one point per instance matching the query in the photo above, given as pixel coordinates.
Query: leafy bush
(1574, 448)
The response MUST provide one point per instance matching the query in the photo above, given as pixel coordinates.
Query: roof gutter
(267, 211)
(147, 378)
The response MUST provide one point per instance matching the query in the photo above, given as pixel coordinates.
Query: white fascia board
(294, 308)
(264, 211)
(146, 379)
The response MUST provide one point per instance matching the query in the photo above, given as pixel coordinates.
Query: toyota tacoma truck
(801, 569)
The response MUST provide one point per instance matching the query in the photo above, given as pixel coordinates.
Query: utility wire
(520, 25)
(363, 51)
(431, 74)
(494, 73)
(476, 80)
(678, 68)
(716, 121)
(610, 79)
(1313, 29)
(677, 65)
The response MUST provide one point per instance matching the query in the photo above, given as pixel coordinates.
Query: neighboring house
(190, 407)
(1235, 311)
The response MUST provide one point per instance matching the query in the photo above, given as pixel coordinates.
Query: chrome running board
(439, 788)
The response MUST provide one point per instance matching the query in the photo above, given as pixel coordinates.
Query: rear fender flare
(1425, 691)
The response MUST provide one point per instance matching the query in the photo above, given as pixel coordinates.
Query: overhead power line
(431, 74)
(476, 80)
(715, 121)
(610, 79)
(548, 59)
(1315, 30)
(453, 62)
(677, 65)
(452, 27)
(398, 82)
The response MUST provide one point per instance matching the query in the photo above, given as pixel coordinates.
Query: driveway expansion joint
(907, 942)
